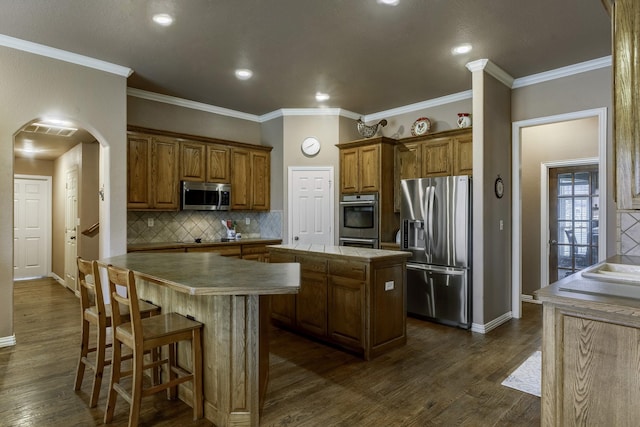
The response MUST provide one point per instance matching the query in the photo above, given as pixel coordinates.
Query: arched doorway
(70, 156)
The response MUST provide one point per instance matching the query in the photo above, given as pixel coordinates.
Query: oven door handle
(362, 203)
(356, 240)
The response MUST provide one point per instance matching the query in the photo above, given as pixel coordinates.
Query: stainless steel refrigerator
(435, 223)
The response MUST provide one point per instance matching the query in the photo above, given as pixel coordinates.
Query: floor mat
(527, 377)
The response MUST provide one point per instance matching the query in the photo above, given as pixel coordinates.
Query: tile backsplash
(186, 226)
(628, 232)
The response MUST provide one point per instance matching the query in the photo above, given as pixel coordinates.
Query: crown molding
(288, 112)
(491, 69)
(419, 106)
(180, 102)
(558, 73)
(63, 55)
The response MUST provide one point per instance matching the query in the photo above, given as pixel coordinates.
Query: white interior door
(31, 227)
(311, 205)
(71, 222)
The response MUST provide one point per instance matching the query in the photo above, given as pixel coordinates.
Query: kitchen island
(353, 298)
(225, 295)
(591, 350)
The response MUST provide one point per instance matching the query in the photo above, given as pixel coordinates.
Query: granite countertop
(583, 291)
(207, 273)
(134, 247)
(341, 252)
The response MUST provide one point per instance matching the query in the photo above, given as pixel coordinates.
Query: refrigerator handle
(432, 196)
(425, 229)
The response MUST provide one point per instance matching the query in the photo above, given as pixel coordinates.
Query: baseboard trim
(7, 341)
(529, 299)
(483, 329)
(58, 279)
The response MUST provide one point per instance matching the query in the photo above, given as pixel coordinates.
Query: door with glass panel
(573, 219)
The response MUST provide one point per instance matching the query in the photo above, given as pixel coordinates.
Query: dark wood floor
(443, 376)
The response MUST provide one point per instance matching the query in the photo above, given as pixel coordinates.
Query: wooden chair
(145, 334)
(95, 312)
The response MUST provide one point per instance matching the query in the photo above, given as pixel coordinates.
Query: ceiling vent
(49, 129)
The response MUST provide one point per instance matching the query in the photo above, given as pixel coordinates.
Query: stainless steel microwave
(205, 196)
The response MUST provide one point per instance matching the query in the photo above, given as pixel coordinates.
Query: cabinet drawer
(312, 264)
(222, 250)
(351, 270)
(254, 249)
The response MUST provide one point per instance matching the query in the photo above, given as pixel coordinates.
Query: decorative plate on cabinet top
(421, 126)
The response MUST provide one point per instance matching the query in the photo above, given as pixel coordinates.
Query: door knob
(296, 238)
(72, 237)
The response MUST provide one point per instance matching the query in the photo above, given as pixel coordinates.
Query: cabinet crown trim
(188, 137)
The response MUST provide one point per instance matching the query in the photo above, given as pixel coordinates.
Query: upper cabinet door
(261, 178)
(218, 163)
(138, 172)
(349, 170)
(240, 179)
(436, 158)
(463, 155)
(369, 170)
(164, 171)
(192, 161)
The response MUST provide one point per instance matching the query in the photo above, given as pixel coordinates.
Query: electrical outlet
(501, 225)
(247, 220)
(388, 286)
(150, 222)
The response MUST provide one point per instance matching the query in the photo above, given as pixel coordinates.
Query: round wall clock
(421, 126)
(499, 187)
(310, 146)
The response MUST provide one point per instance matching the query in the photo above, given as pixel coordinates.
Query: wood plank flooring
(442, 377)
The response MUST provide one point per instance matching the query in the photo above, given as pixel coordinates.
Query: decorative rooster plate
(421, 126)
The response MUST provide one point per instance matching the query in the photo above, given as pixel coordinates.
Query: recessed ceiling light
(244, 74)
(461, 49)
(320, 96)
(163, 19)
(389, 2)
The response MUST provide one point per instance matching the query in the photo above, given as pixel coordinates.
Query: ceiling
(366, 56)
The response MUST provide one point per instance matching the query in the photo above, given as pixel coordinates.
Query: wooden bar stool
(95, 312)
(141, 335)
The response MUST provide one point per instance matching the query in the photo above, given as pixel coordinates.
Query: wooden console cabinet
(350, 297)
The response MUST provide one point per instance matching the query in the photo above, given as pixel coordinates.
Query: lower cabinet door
(346, 311)
(283, 307)
(311, 307)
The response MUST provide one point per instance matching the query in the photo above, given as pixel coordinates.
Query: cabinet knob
(553, 242)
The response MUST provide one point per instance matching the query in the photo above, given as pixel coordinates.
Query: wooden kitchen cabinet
(250, 179)
(203, 162)
(311, 305)
(152, 173)
(444, 153)
(158, 160)
(347, 301)
(364, 164)
(367, 166)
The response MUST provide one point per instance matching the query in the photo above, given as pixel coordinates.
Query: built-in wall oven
(359, 220)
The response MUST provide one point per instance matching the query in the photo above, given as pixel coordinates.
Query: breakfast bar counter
(224, 294)
(591, 346)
